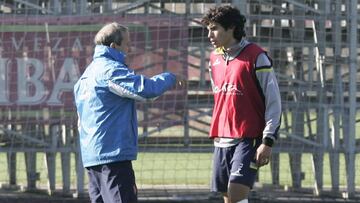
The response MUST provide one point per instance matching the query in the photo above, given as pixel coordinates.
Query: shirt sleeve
(270, 89)
(125, 83)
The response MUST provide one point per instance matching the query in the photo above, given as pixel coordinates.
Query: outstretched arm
(126, 83)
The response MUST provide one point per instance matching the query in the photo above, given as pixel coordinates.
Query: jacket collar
(108, 52)
(233, 51)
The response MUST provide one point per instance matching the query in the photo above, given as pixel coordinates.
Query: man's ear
(112, 45)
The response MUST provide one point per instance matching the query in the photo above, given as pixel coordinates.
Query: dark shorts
(113, 182)
(235, 164)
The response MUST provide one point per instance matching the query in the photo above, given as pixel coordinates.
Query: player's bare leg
(237, 193)
(226, 198)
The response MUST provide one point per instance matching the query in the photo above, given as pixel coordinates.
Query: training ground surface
(259, 195)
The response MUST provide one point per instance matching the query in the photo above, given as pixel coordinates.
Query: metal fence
(45, 46)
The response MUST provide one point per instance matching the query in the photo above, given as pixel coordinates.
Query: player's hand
(181, 82)
(263, 154)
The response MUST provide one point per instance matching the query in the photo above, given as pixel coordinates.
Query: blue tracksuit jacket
(105, 100)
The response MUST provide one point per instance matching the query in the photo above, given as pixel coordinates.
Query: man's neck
(232, 42)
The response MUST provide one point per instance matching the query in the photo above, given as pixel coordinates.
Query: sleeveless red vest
(239, 106)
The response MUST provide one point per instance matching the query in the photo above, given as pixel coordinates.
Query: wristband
(268, 141)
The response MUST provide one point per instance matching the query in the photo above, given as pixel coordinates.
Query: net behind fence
(46, 45)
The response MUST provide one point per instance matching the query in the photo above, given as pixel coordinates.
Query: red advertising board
(42, 58)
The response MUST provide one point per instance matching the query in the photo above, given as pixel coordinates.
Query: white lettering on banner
(57, 43)
(16, 45)
(37, 43)
(25, 81)
(31, 90)
(70, 72)
(77, 45)
(4, 91)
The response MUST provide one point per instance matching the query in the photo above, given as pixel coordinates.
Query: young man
(105, 100)
(247, 109)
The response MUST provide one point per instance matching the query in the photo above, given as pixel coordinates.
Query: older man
(105, 100)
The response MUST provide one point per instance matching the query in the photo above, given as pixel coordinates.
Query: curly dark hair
(227, 17)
